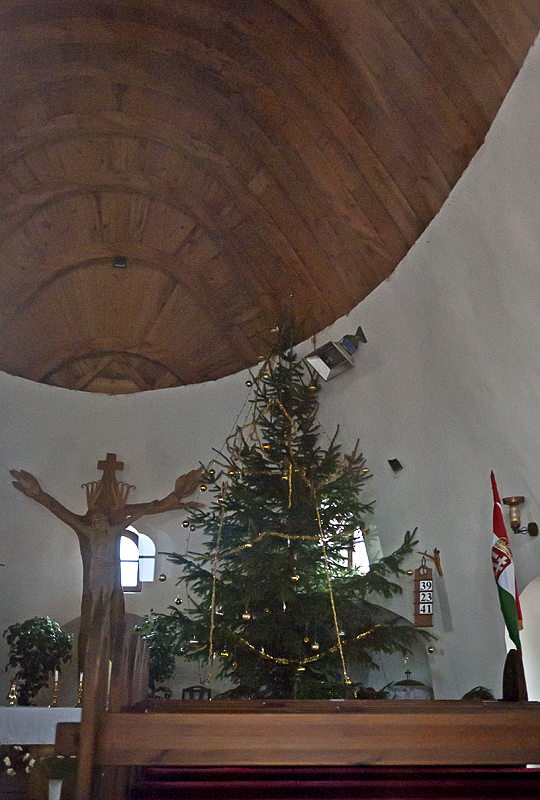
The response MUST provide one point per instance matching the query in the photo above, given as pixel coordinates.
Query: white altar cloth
(24, 725)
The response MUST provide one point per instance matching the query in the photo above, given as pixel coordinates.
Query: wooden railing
(112, 737)
(351, 732)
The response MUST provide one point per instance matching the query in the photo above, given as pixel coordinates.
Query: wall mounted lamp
(513, 504)
(333, 358)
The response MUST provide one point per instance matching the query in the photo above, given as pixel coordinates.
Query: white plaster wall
(59, 436)
(449, 383)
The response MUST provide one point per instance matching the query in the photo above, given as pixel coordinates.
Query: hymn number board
(423, 597)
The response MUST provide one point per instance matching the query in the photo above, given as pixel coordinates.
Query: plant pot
(55, 788)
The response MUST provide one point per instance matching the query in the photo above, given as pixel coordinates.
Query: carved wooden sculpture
(99, 532)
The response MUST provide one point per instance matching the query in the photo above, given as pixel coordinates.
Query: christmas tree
(274, 604)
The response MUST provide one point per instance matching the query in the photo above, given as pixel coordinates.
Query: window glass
(356, 554)
(128, 550)
(137, 559)
(129, 573)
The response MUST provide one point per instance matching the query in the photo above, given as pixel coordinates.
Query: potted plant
(37, 648)
(57, 769)
(160, 633)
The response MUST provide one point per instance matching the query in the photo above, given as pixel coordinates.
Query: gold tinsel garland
(214, 578)
(301, 661)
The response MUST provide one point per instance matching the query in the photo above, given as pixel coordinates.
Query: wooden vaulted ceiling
(248, 158)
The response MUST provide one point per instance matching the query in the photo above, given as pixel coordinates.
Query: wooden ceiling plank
(413, 90)
(488, 39)
(509, 22)
(90, 372)
(132, 373)
(371, 163)
(318, 112)
(453, 56)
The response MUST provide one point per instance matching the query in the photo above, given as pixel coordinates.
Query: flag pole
(514, 685)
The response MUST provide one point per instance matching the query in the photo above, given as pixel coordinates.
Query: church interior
(177, 177)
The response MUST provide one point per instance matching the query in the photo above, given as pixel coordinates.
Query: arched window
(357, 554)
(137, 560)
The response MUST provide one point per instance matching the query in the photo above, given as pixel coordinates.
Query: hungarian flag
(503, 568)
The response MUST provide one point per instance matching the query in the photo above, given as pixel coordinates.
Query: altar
(29, 725)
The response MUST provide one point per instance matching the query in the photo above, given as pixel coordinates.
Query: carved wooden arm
(184, 486)
(29, 486)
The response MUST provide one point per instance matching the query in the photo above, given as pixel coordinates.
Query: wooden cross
(106, 499)
(110, 464)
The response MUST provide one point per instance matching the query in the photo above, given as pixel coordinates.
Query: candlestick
(78, 704)
(12, 696)
(54, 700)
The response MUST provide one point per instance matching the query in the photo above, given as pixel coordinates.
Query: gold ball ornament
(266, 447)
(249, 383)
(431, 649)
(162, 577)
(224, 654)
(410, 572)
(246, 616)
(295, 577)
(185, 524)
(234, 664)
(232, 472)
(315, 646)
(211, 472)
(312, 387)
(266, 610)
(306, 639)
(265, 376)
(221, 499)
(203, 487)
(178, 601)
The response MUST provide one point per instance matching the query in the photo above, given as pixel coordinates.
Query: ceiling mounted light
(120, 262)
(333, 358)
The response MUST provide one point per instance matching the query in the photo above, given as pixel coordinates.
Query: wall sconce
(333, 358)
(513, 504)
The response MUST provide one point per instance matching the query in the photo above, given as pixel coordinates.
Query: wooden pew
(349, 732)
